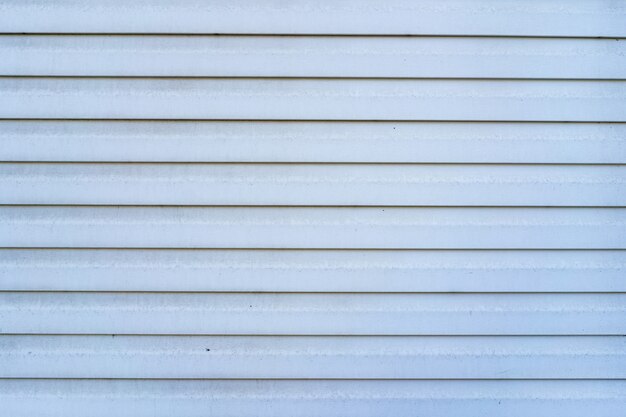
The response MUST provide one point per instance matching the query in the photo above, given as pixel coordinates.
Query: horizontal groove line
(311, 292)
(308, 163)
(300, 78)
(307, 336)
(309, 35)
(85, 248)
(288, 206)
(309, 379)
(613, 335)
(355, 121)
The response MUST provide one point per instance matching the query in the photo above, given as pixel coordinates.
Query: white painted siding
(324, 357)
(320, 184)
(314, 314)
(314, 270)
(392, 17)
(312, 398)
(312, 56)
(313, 99)
(297, 141)
(261, 208)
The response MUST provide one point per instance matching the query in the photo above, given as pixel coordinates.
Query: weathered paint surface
(312, 99)
(268, 209)
(322, 56)
(325, 270)
(396, 17)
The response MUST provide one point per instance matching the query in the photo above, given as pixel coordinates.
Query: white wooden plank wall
(312, 208)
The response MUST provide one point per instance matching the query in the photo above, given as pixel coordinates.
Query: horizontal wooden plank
(325, 184)
(478, 17)
(160, 398)
(312, 314)
(301, 398)
(262, 56)
(218, 141)
(312, 99)
(276, 227)
(312, 357)
(312, 270)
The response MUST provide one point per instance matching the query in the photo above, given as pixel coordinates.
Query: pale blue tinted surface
(201, 218)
